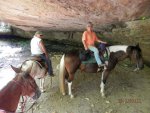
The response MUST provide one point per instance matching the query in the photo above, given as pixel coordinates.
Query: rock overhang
(70, 15)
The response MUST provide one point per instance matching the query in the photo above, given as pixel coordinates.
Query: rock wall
(130, 33)
(134, 32)
(51, 35)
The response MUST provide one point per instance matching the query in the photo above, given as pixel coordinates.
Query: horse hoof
(63, 94)
(136, 69)
(71, 96)
(42, 90)
(103, 96)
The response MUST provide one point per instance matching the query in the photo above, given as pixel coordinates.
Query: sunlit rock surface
(70, 15)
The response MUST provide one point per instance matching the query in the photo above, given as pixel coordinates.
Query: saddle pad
(90, 60)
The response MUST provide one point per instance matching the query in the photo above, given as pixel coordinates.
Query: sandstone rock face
(134, 32)
(70, 15)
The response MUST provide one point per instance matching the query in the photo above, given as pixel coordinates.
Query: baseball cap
(38, 32)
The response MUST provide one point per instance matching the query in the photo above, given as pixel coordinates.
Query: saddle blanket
(88, 57)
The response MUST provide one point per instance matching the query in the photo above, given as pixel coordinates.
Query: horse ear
(17, 70)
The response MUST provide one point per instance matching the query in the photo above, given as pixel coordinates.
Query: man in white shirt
(38, 49)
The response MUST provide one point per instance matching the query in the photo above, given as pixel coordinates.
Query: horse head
(29, 86)
(135, 54)
(23, 84)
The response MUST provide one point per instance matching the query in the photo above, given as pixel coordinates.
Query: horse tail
(62, 72)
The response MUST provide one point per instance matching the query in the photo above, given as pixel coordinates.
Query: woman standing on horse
(88, 39)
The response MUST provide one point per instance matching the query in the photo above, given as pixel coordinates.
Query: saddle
(88, 56)
(39, 61)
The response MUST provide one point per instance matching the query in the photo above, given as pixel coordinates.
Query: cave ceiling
(70, 15)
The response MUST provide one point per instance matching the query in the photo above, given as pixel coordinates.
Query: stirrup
(101, 65)
(98, 69)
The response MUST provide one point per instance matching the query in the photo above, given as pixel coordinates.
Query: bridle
(23, 103)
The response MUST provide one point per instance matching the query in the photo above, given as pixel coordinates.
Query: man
(88, 39)
(38, 49)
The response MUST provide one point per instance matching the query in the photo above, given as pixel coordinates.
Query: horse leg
(110, 65)
(68, 66)
(102, 85)
(42, 72)
(71, 77)
(41, 85)
(104, 77)
(42, 80)
(137, 68)
(70, 90)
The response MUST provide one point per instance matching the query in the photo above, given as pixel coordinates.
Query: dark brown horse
(23, 84)
(70, 62)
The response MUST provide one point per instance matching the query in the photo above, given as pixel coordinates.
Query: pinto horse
(22, 85)
(36, 70)
(70, 62)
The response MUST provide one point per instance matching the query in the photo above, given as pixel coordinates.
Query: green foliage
(144, 18)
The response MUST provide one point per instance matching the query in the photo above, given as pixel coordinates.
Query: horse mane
(22, 77)
(74, 52)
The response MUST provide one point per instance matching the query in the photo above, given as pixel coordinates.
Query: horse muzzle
(37, 94)
(141, 64)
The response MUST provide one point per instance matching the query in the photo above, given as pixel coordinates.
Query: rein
(32, 64)
(23, 104)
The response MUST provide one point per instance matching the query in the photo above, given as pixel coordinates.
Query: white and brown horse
(37, 71)
(70, 62)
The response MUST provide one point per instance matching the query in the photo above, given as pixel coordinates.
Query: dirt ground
(126, 91)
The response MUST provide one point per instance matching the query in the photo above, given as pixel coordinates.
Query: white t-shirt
(35, 48)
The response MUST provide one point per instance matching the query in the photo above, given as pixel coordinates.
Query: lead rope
(31, 107)
(23, 104)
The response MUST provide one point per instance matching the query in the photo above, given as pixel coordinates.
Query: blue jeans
(48, 62)
(96, 54)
